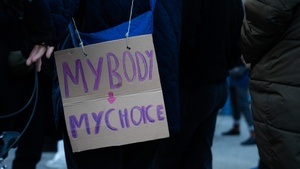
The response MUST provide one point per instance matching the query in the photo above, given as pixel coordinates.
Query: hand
(37, 53)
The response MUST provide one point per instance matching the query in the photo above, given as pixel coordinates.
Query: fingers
(49, 51)
(32, 53)
(37, 52)
(38, 65)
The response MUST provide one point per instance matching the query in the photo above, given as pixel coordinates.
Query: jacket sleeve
(46, 20)
(264, 24)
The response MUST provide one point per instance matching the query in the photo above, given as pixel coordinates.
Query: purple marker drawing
(111, 98)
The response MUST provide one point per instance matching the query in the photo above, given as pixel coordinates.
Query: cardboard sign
(113, 95)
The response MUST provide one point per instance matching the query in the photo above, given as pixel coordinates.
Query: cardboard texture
(112, 96)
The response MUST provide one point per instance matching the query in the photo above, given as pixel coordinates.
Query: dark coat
(210, 43)
(271, 43)
(96, 15)
(46, 21)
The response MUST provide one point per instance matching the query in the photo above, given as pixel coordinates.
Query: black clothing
(210, 46)
(191, 148)
(271, 43)
(210, 40)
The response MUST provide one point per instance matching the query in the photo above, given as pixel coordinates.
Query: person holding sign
(210, 47)
(162, 19)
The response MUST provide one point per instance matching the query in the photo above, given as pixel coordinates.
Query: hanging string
(129, 23)
(80, 41)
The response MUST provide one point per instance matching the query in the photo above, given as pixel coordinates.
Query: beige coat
(271, 43)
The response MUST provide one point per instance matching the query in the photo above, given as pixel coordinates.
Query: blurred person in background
(240, 102)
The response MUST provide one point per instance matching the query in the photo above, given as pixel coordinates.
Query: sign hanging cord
(80, 41)
(129, 23)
